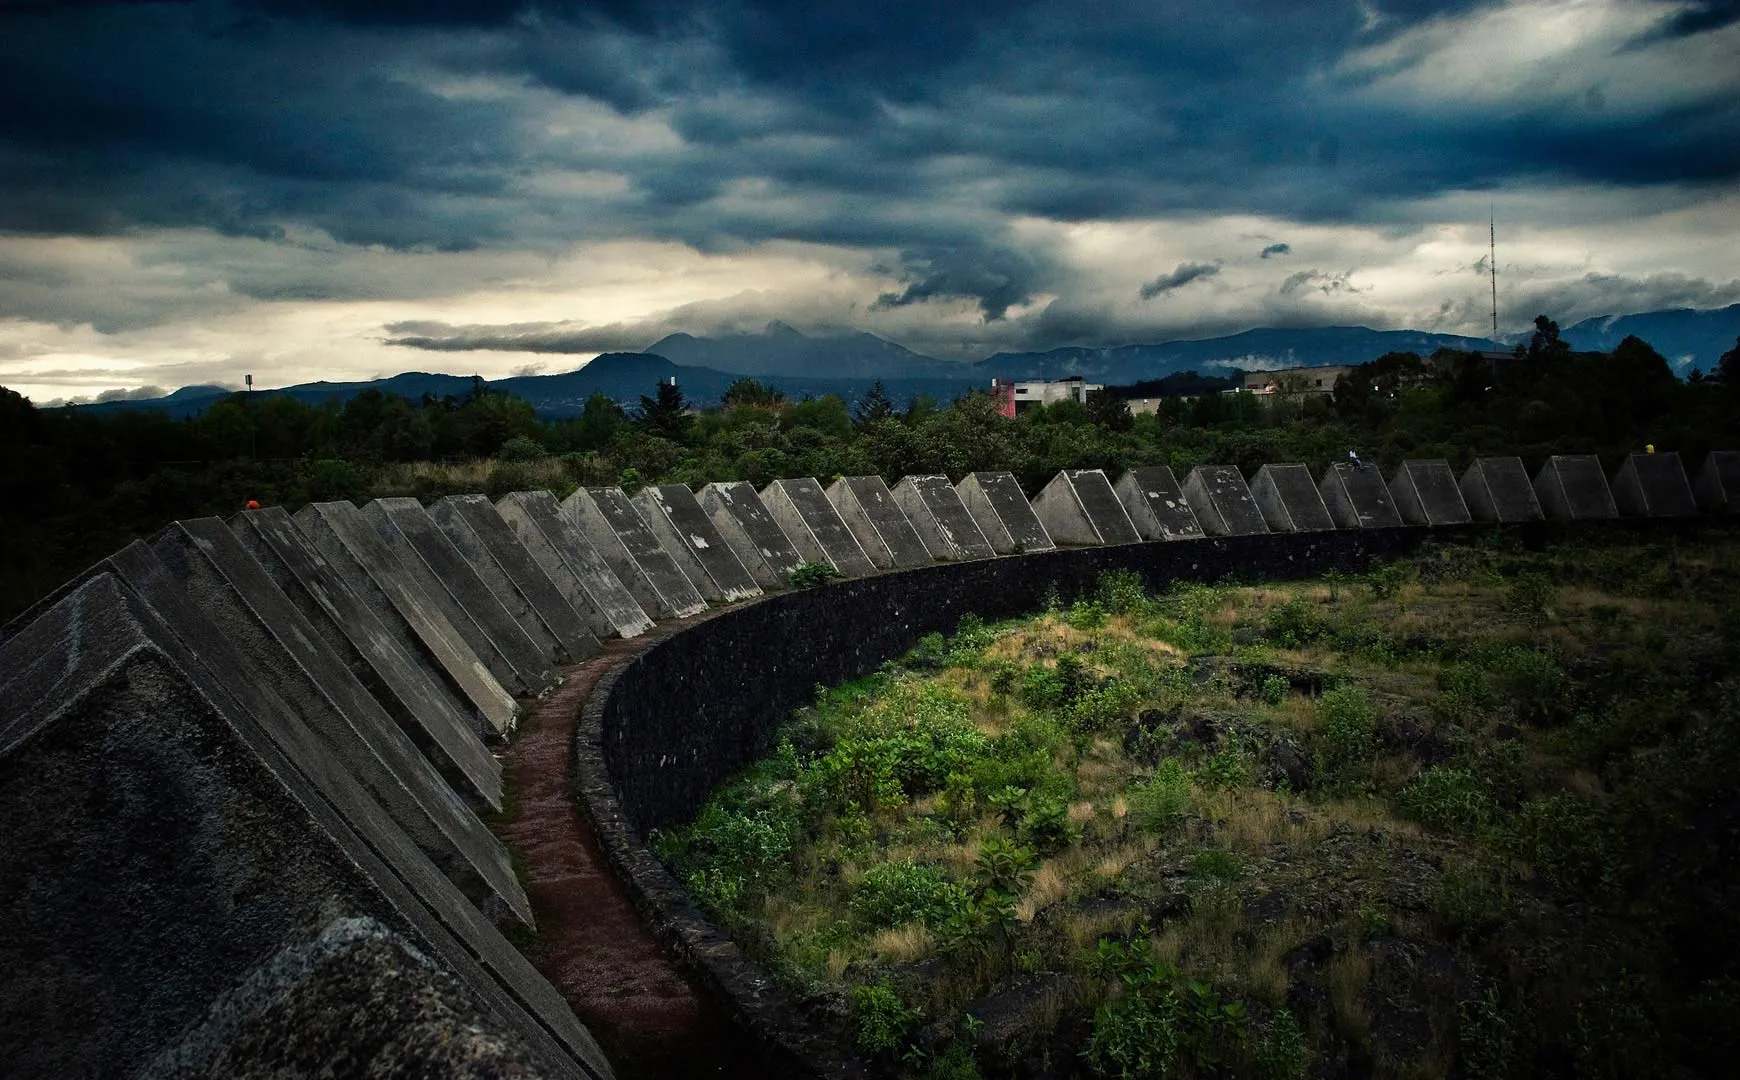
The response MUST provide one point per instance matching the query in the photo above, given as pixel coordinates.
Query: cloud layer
(180, 180)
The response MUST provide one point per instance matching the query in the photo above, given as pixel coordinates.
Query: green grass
(1464, 813)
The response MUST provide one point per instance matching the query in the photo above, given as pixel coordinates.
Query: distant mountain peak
(776, 328)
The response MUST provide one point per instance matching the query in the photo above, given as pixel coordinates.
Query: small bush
(1449, 798)
(896, 893)
(1296, 624)
(811, 574)
(1162, 799)
(1349, 726)
(522, 448)
(1274, 689)
(1530, 596)
(883, 1019)
(1389, 579)
(1281, 1053)
(1121, 592)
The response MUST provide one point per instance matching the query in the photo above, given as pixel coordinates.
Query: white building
(1050, 392)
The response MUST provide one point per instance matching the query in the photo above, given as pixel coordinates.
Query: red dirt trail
(649, 1016)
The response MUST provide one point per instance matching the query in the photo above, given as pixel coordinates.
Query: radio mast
(1492, 265)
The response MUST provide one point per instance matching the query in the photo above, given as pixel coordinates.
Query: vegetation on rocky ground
(1472, 813)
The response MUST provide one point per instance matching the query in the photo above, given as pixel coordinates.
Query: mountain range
(847, 363)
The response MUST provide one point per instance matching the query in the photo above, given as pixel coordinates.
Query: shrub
(1529, 596)
(1569, 841)
(1349, 726)
(1281, 1053)
(509, 476)
(1230, 768)
(1085, 615)
(1042, 687)
(1122, 592)
(896, 893)
(521, 448)
(810, 574)
(1296, 624)
(1274, 689)
(1454, 799)
(1162, 799)
(1389, 579)
(883, 1019)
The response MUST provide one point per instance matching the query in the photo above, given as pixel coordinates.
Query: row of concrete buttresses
(242, 764)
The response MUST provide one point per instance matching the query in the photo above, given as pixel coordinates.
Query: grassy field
(1474, 813)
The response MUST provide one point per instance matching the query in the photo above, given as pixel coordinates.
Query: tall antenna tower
(1492, 265)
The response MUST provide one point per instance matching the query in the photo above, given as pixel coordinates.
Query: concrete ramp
(125, 715)
(763, 548)
(573, 564)
(941, 520)
(617, 530)
(283, 650)
(688, 536)
(352, 547)
(1288, 499)
(512, 574)
(1571, 487)
(519, 663)
(443, 724)
(1079, 508)
(1002, 512)
(1497, 489)
(1222, 503)
(1653, 485)
(1426, 493)
(1155, 502)
(1356, 496)
(1718, 489)
(803, 512)
(876, 520)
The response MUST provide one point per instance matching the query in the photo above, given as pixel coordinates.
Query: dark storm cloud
(521, 337)
(1183, 274)
(909, 126)
(1276, 249)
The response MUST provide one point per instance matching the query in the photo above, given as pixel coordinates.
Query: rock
(1286, 761)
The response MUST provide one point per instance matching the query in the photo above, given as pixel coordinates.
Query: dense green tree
(751, 392)
(873, 406)
(666, 414)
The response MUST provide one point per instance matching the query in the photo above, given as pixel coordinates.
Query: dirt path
(644, 1010)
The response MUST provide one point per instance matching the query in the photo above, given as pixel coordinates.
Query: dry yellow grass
(904, 944)
(1050, 884)
(1347, 976)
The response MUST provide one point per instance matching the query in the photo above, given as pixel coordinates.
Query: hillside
(1468, 815)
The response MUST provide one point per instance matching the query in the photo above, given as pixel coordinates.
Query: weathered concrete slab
(804, 513)
(401, 1012)
(1356, 496)
(605, 512)
(684, 531)
(399, 676)
(940, 518)
(869, 510)
(1003, 514)
(574, 565)
(1718, 489)
(1653, 485)
(1155, 502)
(1079, 507)
(1571, 487)
(757, 540)
(352, 547)
(520, 664)
(1426, 493)
(177, 826)
(1498, 489)
(1289, 500)
(285, 652)
(1222, 503)
(490, 546)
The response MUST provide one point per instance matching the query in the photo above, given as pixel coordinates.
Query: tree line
(76, 484)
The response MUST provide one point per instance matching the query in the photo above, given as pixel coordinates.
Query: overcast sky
(194, 190)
